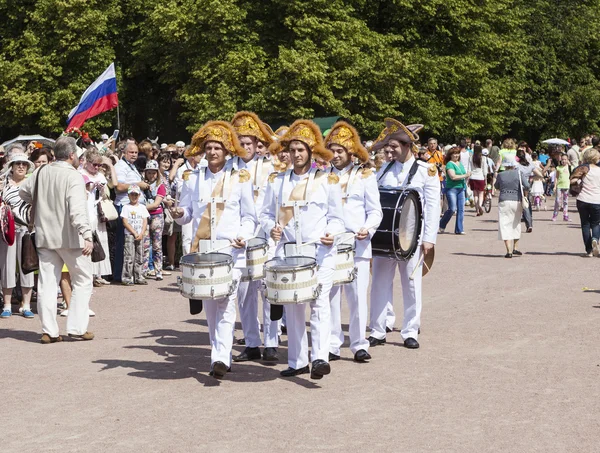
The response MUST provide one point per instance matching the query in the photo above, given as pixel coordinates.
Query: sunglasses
(21, 164)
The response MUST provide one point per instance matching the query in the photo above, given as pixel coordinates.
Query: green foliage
(485, 68)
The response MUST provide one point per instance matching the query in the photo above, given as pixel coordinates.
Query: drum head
(215, 259)
(344, 248)
(256, 243)
(409, 224)
(290, 263)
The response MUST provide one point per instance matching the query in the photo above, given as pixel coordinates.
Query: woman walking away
(456, 177)
(561, 188)
(511, 185)
(478, 177)
(527, 170)
(588, 200)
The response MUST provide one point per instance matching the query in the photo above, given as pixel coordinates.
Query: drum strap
(346, 181)
(411, 173)
(299, 194)
(388, 168)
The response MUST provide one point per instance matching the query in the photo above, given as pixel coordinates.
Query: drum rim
(307, 266)
(227, 259)
(344, 248)
(263, 244)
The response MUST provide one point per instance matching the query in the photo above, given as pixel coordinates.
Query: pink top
(161, 191)
(590, 190)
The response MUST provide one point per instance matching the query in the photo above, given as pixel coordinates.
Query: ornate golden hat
(216, 131)
(248, 123)
(395, 130)
(347, 136)
(281, 131)
(307, 132)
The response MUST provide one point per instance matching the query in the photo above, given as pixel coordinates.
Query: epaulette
(431, 168)
(244, 175)
(366, 172)
(272, 177)
(186, 174)
(333, 178)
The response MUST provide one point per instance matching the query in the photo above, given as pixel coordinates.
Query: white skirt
(537, 188)
(509, 220)
(101, 267)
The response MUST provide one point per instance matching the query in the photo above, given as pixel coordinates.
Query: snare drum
(291, 280)
(256, 257)
(206, 276)
(345, 272)
(400, 230)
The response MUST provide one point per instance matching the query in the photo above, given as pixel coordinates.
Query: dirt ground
(509, 362)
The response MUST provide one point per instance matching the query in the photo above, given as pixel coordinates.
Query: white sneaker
(159, 276)
(64, 313)
(595, 249)
(91, 313)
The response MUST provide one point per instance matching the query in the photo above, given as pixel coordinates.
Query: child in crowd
(135, 221)
(561, 188)
(537, 186)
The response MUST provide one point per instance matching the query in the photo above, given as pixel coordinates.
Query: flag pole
(118, 119)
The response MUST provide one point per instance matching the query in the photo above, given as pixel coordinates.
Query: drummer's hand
(238, 243)
(276, 233)
(427, 247)
(362, 234)
(176, 212)
(327, 240)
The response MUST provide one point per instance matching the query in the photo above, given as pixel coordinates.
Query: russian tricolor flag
(99, 97)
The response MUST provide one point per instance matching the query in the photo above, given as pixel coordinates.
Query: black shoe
(219, 369)
(411, 343)
(375, 342)
(276, 312)
(361, 355)
(333, 357)
(241, 341)
(284, 329)
(270, 355)
(248, 354)
(290, 372)
(508, 255)
(517, 253)
(319, 369)
(388, 330)
(195, 306)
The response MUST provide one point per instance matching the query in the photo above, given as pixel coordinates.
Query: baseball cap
(151, 165)
(485, 151)
(180, 144)
(134, 189)
(163, 146)
(104, 136)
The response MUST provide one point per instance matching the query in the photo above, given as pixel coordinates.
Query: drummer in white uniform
(362, 216)
(317, 216)
(395, 174)
(235, 222)
(251, 132)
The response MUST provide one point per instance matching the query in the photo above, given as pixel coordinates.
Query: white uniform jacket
(426, 184)
(362, 208)
(239, 216)
(323, 214)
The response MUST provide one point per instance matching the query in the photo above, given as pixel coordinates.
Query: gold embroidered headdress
(248, 123)
(216, 131)
(395, 130)
(307, 132)
(347, 136)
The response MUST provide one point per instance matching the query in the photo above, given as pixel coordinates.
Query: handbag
(97, 251)
(29, 257)
(169, 222)
(524, 199)
(576, 179)
(106, 209)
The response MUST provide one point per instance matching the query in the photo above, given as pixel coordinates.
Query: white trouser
(320, 325)
(390, 318)
(187, 234)
(382, 289)
(356, 295)
(248, 304)
(220, 316)
(80, 270)
(271, 329)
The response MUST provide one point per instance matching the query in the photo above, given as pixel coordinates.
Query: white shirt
(465, 159)
(126, 174)
(362, 207)
(479, 173)
(238, 218)
(427, 186)
(135, 216)
(323, 214)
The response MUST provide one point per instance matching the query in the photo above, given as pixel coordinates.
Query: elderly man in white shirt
(63, 236)
(236, 223)
(252, 131)
(320, 218)
(127, 175)
(407, 172)
(362, 216)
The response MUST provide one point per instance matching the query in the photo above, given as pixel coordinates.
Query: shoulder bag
(524, 199)
(29, 257)
(97, 252)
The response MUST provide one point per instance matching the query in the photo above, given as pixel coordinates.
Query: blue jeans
(590, 223)
(456, 203)
(119, 247)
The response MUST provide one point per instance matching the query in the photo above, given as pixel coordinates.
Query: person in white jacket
(362, 216)
(236, 222)
(395, 174)
(319, 219)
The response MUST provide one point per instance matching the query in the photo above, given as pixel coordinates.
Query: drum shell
(293, 283)
(385, 241)
(345, 272)
(206, 276)
(257, 254)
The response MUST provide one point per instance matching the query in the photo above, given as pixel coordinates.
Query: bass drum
(400, 230)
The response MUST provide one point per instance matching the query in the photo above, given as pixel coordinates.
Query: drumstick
(222, 248)
(333, 235)
(421, 261)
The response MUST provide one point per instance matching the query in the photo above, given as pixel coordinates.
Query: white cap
(104, 137)
(80, 152)
(485, 151)
(163, 146)
(180, 144)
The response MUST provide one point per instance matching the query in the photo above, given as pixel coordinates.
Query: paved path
(509, 362)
